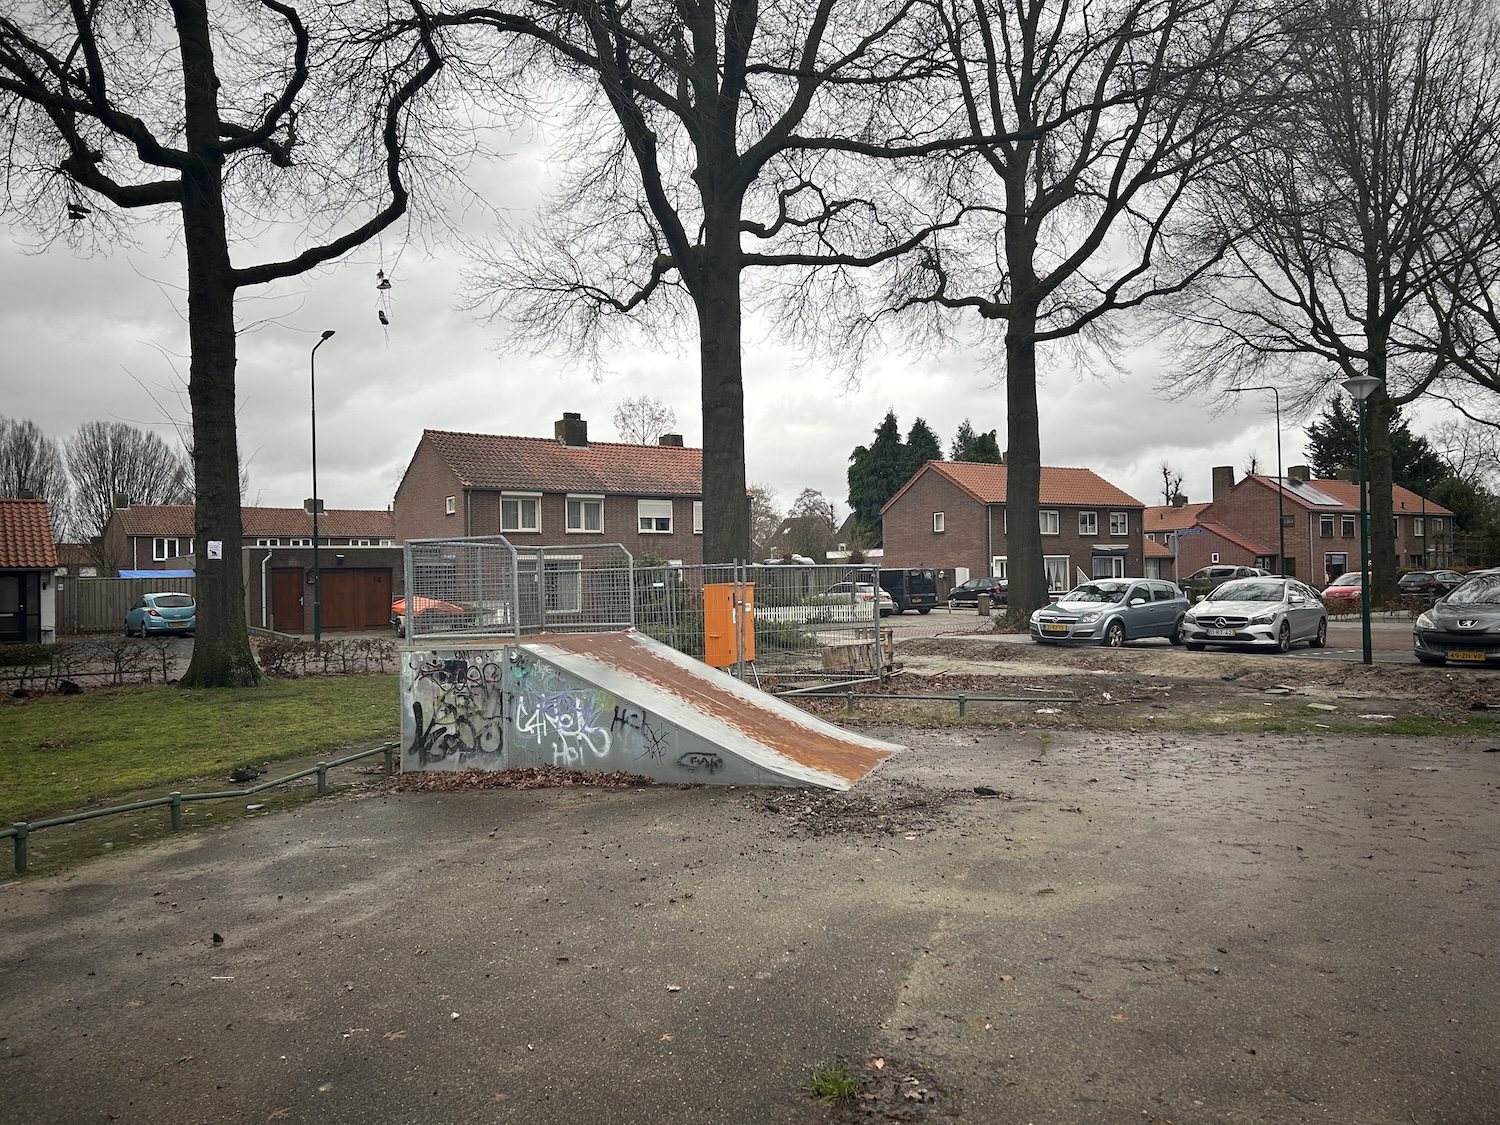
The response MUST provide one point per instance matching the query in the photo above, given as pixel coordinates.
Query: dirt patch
(539, 777)
(876, 807)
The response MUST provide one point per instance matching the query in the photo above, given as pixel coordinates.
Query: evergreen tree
(1333, 447)
(921, 447)
(876, 473)
(977, 448)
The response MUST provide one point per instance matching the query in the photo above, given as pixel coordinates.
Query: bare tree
(1353, 211)
(812, 504)
(1171, 483)
(31, 465)
(110, 460)
(643, 419)
(239, 117)
(765, 519)
(1103, 114)
(701, 137)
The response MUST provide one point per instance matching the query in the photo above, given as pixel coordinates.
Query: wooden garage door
(286, 599)
(356, 599)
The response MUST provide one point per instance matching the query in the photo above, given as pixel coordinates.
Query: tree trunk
(221, 650)
(1023, 471)
(726, 507)
(1383, 562)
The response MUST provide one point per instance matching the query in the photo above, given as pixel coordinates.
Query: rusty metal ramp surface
(758, 730)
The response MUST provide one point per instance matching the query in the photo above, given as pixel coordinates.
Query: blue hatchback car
(162, 613)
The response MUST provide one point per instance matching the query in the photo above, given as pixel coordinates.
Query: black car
(967, 593)
(1432, 583)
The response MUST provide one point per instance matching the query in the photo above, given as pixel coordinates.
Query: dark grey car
(1463, 627)
(1111, 611)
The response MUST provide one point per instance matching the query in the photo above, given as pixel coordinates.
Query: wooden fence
(98, 605)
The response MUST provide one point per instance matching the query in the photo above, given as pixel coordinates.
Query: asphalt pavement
(1121, 928)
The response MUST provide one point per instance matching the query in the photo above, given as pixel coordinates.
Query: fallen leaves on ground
(521, 777)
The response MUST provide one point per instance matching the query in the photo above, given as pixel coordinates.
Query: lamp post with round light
(315, 504)
(1360, 388)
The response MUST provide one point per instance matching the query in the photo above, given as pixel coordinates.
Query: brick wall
(1250, 509)
(419, 506)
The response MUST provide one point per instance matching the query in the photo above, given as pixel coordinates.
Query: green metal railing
(22, 830)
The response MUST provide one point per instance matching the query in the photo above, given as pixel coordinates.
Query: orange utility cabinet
(722, 633)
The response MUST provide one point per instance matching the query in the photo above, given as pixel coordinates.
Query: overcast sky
(105, 338)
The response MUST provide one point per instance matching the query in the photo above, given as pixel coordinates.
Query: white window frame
(939, 523)
(450, 505)
(1349, 522)
(1052, 570)
(1213, 558)
(998, 566)
(584, 501)
(299, 542)
(1088, 524)
(387, 542)
(1325, 527)
(1116, 566)
(1119, 523)
(1047, 516)
(520, 500)
(654, 513)
(1418, 527)
(159, 550)
(1437, 525)
(360, 543)
(268, 542)
(697, 519)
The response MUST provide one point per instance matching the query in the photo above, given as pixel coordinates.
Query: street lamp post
(1361, 387)
(1280, 487)
(315, 504)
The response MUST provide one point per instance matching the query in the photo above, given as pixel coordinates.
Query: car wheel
(924, 610)
(1425, 659)
(1284, 637)
(1195, 648)
(1176, 635)
(1114, 634)
(1321, 637)
(128, 633)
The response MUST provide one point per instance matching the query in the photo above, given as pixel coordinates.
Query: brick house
(555, 491)
(1321, 526)
(1187, 538)
(951, 515)
(28, 560)
(359, 563)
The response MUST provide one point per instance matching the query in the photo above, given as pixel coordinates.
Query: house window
(585, 513)
(450, 505)
(938, 526)
(1088, 524)
(655, 516)
(165, 548)
(1418, 527)
(998, 566)
(268, 542)
(1325, 526)
(387, 542)
(1335, 563)
(1214, 557)
(1151, 535)
(1416, 560)
(1049, 522)
(359, 543)
(1119, 523)
(1437, 525)
(1396, 526)
(697, 518)
(299, 542)
(1109, 566)
(1346, 527)
(562, 584)
(1057, 568)
(520, 513)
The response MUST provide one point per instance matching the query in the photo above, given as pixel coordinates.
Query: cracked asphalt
(1134, 927)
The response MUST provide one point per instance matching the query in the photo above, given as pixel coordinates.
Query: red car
(1350, 587)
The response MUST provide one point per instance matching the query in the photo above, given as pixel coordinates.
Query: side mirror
(1137, 601)
(1298, 599)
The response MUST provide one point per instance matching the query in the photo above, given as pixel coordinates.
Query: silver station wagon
(1111, 611)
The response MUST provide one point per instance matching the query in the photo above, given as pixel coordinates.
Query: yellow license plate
(1477, 656)
(1054, 628)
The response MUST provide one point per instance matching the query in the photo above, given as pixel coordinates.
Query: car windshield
(1416, 576)
(1349, 580)
(1097, 592)
(173, 601)
(1477, 591)
(1249, 590)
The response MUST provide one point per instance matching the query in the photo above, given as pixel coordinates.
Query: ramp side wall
(502, 707)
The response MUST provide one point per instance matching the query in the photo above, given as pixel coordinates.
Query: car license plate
(176, 624)
(1462, 655)
(1050, 628)
(1219, 632)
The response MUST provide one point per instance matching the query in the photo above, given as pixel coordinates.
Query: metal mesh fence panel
(805, 615)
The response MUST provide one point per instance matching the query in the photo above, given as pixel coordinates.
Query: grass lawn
(65, 753)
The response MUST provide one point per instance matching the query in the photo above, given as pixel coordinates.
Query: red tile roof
(1162, 517)
(1344, 495)
(340, 523)
(1229, 535)
(1155, 550)
(26, 541)
(986, 483)
(545, 465)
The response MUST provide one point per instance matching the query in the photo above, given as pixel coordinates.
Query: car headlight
(1264, 619)
(1189, 619)
(1086, 618)
(1036, 615)
(1425, 622)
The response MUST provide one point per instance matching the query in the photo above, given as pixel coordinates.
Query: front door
(286, 599)
(21, 608)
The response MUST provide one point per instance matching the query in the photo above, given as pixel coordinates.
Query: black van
(913, 588)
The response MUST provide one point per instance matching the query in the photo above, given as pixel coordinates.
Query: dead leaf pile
(529, 777)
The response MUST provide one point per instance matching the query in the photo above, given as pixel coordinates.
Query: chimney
(674, 440)
(1299, 472)
(1347, 474)
(1223, 481)
(122, 499)
(572, 431)
(1179, 500)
